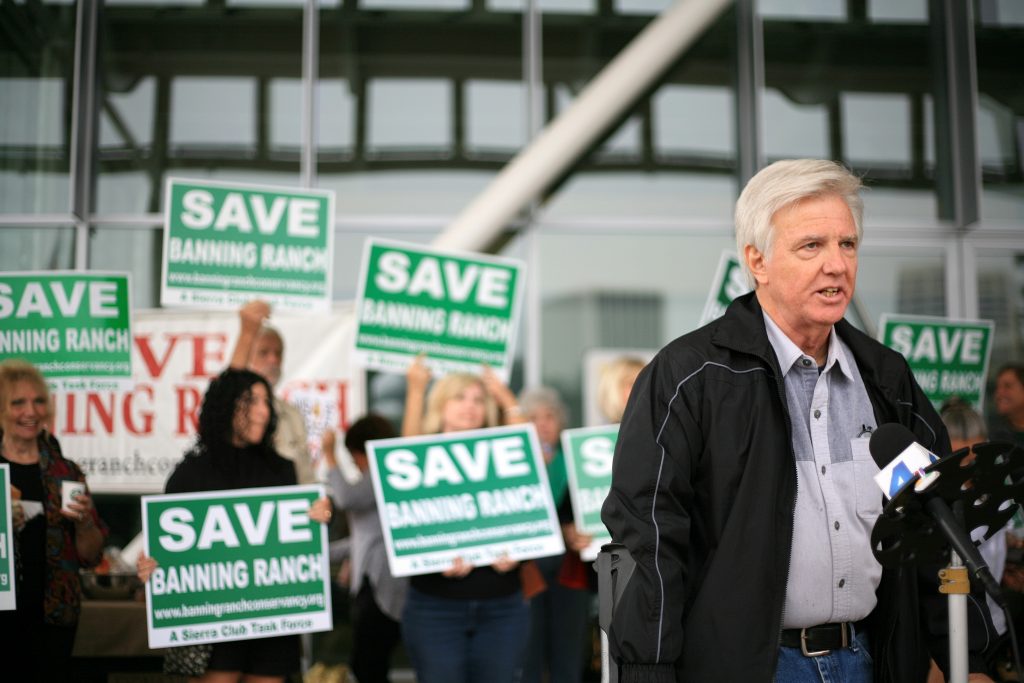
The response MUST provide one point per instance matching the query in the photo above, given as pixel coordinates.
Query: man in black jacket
(743, 485)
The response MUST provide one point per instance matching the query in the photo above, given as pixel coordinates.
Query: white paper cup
(68, 491)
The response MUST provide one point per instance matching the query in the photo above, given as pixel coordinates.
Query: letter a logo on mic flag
(905, 467)
(901, 474)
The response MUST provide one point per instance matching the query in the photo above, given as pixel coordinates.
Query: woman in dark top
(467, 624)
(234, 450)
(51, 543)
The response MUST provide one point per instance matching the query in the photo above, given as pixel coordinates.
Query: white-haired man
(742, 481)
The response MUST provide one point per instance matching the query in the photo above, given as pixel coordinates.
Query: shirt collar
(789, 353)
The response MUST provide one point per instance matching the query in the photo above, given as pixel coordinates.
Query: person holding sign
(260, 348)
(468, 623)
(378, 597)
(742, 481)
(234, 450)
(558, 616)
(53, 539)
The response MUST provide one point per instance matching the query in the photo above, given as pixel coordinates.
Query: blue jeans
(465, 641)
(849, 665)
(558, 629)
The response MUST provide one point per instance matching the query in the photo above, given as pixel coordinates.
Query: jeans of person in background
(848, 665)
(558, 629)
(465, 641)
(374, 637)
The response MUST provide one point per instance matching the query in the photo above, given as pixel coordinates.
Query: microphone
(891, 442)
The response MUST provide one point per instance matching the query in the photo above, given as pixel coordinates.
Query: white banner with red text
(130, 441)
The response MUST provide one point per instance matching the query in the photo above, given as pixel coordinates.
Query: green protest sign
(730, 283)
(478, 495)
(948, 357)
(7, 601)
(234, 565)
(588, 461)
(460, 310)
(75, 327)
(227, 243)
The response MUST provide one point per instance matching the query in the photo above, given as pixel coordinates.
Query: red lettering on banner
(146, 415)
(208, 349)
(188, 399)
(69, 412)
(156, 366)
(105, 413)
(343, 406)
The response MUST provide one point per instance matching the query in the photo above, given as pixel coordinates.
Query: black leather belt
(818, 640)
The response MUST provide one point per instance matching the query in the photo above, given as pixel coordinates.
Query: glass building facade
(409, 108)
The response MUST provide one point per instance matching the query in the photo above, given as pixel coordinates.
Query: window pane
(910, 281)
(673, 153)
(206, 91)
(857, 92)
(414, 4)
(337, 118)
(793, 129)
(1001, 299)
(409, 115)
(36, 248)
(495, 116)
(551, 6)
(641, 6)
(885, 11)
(694, 120)
(877, 130)
(131, 249)
(818, 10)
(36, 62)
(416, 116)
(605, 300)
(1000, 114)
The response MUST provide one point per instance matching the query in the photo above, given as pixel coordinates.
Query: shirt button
(806, 362)
(842, 582)
(836, 525)
(823, 469)
(817, 414)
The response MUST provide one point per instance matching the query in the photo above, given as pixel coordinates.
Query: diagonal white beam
(571, 134)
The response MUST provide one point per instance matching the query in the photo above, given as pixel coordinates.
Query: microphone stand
(614, 567)
(982, 492)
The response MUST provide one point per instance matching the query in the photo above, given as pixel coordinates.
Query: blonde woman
(614, 384)
(51, 542)
(467, 623)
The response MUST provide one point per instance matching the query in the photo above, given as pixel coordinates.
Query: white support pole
(958, 664)
(570, 135)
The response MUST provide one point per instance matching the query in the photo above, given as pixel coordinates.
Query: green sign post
(948, 357)
(234, 565)
(7, 601)
(460, 310)
(588, 455)
(75, 327)
(227, 243)
(730, 283)
(477, 495)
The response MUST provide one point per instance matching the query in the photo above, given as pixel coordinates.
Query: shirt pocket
(869, 496)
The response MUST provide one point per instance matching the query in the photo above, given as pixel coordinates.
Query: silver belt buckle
(819, 653)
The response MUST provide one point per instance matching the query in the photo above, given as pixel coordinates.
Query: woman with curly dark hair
(234, 449)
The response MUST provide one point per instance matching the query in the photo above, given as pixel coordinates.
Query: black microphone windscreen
(889, 440)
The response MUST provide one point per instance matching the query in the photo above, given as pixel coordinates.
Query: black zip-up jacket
(703, 494)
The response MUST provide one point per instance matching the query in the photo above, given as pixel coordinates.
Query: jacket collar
(742, 329)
